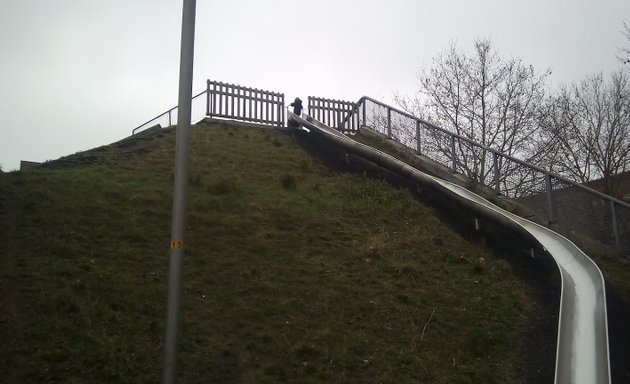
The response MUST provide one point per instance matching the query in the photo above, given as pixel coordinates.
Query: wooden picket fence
(244, 103)
(338, 114)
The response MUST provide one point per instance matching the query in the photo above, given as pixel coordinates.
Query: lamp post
(180, 191)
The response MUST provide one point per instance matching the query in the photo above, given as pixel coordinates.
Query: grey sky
(76, 74)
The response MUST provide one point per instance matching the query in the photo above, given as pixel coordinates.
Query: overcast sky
(77, 74)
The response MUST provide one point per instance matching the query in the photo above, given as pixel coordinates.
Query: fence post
(363, 113)
(453, 154)
(220, 108)
(418, 148)
(252, 114)
(169, 117)
(309, 107)
(281, 110)
(329, 115)
(207, 97)
(267, 98)
(615, 225)
(389, 123)
(495, 169)
(213, 100)
(238, 93)
(551, 207)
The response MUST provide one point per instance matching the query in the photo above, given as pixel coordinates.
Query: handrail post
(418, 147)
(389, 123)
(169, 117)
(495, 169)
(453, 154)
(551, 207)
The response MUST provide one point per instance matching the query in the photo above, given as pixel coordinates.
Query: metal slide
(582, 349)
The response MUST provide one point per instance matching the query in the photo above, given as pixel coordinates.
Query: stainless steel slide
(582, 350)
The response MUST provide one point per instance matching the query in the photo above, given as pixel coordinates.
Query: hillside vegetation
(294, 272)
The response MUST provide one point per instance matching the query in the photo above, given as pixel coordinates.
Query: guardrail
(572, 206)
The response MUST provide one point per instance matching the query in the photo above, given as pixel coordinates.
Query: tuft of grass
(349, 280)
(289, 182)
(224, 186)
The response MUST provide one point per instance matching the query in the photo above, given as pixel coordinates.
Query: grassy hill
(294, 272)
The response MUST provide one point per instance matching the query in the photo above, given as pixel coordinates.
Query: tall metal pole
(178, 227)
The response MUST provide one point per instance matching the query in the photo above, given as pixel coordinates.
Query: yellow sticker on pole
(177, 244)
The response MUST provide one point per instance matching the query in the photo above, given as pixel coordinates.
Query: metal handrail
(499, 153)
(168, 112)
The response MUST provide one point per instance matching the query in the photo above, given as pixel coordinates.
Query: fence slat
(220, 94)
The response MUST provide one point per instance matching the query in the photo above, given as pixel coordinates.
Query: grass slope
(616, 272)
(294, 272)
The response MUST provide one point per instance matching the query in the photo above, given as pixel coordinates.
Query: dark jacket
(297, 106)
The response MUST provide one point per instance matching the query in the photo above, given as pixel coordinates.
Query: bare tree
(485, 98)
(624, 53)
(588, 126)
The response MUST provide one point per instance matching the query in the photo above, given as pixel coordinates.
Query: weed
(289, 182)
(479, 266)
